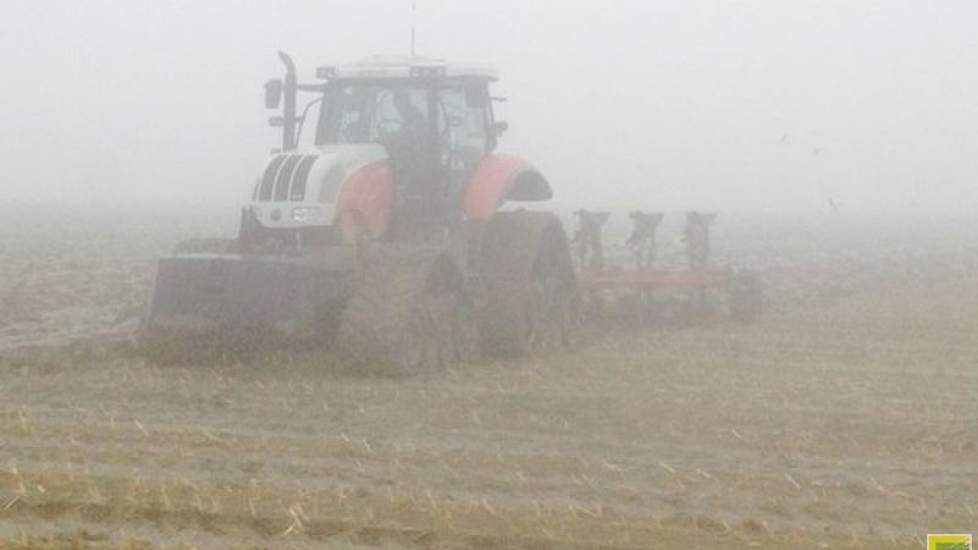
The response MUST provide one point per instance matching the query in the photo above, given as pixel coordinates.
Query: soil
(845, 418)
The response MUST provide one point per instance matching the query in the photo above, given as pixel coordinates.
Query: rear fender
(364, 202)
(500, 178)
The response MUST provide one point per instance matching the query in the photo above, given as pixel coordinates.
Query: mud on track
(842, 420)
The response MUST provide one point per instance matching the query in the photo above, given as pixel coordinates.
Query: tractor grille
(285, 178)
(301, 175)
(265, 191)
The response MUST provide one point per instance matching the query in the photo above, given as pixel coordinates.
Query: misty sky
(678, 104)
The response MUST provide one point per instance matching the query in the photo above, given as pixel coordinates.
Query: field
(846, 418)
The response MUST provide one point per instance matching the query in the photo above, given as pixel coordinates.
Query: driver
(410, 151)
(414, 127)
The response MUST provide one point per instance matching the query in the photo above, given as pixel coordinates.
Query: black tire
(531, 299)
(407, 314)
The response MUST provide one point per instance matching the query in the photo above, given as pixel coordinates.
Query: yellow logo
(949, 542)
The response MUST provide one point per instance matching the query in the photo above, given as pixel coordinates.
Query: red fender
(365, 200)
(498, 178)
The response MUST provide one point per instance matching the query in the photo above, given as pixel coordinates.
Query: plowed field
(846, 418)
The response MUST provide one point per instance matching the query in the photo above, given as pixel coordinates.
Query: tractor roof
(387, 66)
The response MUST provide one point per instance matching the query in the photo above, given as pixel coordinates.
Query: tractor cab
(434, 120)
(424, 124)
(446, 108)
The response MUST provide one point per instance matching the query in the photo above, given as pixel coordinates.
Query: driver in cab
(409, 149)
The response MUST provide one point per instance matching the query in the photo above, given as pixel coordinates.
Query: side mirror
(273, 93)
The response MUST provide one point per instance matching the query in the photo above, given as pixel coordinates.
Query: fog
(803, 105)
(792, 362)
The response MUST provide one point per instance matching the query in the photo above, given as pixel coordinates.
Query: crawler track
(403, 318)
(531, 291)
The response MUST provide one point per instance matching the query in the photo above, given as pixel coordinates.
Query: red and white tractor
(390, 237)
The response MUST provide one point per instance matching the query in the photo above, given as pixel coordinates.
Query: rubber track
(513, 241)
(383, 322)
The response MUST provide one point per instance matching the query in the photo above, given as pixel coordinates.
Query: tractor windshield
(370, 112)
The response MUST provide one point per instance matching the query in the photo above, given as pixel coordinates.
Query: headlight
(306, 213)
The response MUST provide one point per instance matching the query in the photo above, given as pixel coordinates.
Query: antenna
(414, 19)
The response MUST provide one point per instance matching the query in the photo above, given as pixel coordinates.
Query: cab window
(462, 125)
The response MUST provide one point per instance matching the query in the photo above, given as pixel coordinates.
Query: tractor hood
(300, 188)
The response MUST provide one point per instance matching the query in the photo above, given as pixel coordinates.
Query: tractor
(393, 233)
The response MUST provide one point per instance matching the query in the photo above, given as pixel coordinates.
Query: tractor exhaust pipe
(284, 92)
(291, 86)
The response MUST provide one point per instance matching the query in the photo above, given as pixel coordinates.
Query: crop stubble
(846, 418)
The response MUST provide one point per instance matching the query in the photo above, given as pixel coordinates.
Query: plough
(656, 292)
